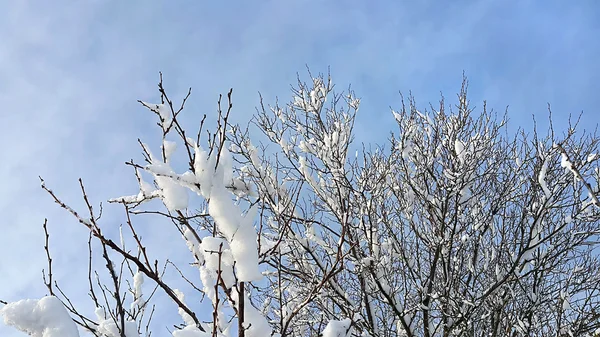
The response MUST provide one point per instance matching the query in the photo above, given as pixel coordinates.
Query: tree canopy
(455, 226)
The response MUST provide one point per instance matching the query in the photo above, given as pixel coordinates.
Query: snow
(566, 298)
(210, 247)
(175, 196)
(337, 328)
(46, 317)
(190, 331)
(169, 148)
(146, 192)
(204, 169)
(255, 323)
(245, 248)
(238, 230)
(542, 179)
(305, 147)
(465, 194)
(226, 165)
(145, 187)
(163, 111)
(108, 328)
(193, 245)
(138, 280)
(564, 162)
(239, 246)
(459, 148)
(208, 282)
(184, 315)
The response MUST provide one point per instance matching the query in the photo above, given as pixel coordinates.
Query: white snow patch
(337, 328)
(542, 179)
(46, 317)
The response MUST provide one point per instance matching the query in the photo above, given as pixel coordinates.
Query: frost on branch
(454, 226)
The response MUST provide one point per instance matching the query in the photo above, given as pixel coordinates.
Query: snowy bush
(455, 227)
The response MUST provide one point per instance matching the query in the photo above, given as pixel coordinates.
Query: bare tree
(457, 226)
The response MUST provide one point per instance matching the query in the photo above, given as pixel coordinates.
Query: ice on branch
(46, 317)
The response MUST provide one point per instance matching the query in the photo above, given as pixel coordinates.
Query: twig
(49, 281)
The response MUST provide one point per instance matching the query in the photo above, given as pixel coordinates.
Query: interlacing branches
(456, 226)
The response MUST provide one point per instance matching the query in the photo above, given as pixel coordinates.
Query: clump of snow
(169, 148)
(244, 247)
(184, 315)
(337, 328)
(226, 164)
(564, 162)
(256, 323)
(204, 167)
(238, 230)
(138, 280)
(193, 245)
(163, 111)
(46, 317)
(175, 196)
(542, 179)
(459, 148)
(208, 282)
(210, 248)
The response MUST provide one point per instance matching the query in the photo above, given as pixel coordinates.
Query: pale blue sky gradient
(71, 72)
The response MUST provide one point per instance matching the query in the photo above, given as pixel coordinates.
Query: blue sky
(71, 72)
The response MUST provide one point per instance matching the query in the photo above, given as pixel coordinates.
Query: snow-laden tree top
(454, 227)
